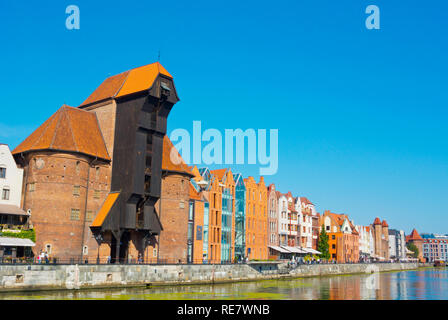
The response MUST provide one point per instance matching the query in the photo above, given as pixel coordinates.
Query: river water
(422, 284)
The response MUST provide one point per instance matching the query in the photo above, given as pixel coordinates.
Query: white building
(283, 219)
(397, 244)
(366, 241)
(11, 179)
(306, 211)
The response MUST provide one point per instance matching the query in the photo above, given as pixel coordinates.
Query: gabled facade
(366, 242)
(227, 193)
(256, 219)
(283, 221)
(307, 227)
(343, 238)
(273, 220)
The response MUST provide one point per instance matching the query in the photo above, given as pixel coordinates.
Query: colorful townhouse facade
(273, 220)
(343, 238)
(366, 242)
(307, 228)
(256, 219)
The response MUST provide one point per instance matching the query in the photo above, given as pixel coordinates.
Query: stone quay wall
(51, 277)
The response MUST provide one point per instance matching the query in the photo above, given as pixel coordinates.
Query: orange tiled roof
(171, 159)
(69, 129)
(377, 221)
(414, 236)
(384, 224)
(128, 82)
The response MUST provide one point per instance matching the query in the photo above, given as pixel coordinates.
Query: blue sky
(361, 113)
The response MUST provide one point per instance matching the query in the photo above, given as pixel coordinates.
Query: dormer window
(165, 89)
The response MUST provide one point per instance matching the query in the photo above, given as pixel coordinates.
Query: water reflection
(429, 284)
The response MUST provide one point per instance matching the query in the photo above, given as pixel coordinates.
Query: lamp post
(99, 239)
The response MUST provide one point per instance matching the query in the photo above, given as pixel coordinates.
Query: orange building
(218, 190)
(256, 219)
(343, 239)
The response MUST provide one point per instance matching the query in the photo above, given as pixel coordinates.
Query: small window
(74, 214)
(32, 187)
(3, 173)
(48, 248)
(77, 167)
(96, 194)
(5, 194)
(89, 216)
(85, 250)
(154, 252)
(76, 190)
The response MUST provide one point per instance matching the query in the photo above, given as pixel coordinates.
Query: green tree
(413, 248)
(322, 245)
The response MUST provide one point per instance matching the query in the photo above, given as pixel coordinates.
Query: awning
(293, 249)
(105, 209)
(310, 250)
(11, 209)
(279, 249)
(16, 242)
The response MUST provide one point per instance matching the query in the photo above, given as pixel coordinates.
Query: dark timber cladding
(141, 123)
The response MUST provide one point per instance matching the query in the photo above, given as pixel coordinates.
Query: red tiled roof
(128, 82)
(70, 130)
(305, 200)
(414, 236)
(377, 221)
(384, 224)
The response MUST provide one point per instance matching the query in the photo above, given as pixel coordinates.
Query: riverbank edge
(249, 278)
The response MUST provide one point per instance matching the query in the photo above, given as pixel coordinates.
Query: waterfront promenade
(50, 277)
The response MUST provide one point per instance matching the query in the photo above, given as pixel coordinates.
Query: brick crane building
(93, 173)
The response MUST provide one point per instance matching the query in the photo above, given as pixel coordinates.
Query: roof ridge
(71, 130)
(124, 81)
(57, 126)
